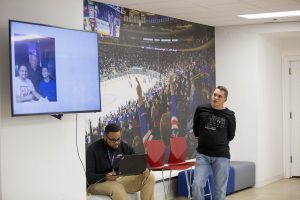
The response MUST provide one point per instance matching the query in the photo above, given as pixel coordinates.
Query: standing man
(34, 70)
(214, 125)
(102, 167)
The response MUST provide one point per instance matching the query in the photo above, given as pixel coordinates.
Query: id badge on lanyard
(111, 158)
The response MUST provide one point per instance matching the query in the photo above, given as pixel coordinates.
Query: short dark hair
(224, 89)
(45, 68)
(111, 128)
(22, 64)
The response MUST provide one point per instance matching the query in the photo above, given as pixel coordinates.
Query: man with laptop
(105, 161)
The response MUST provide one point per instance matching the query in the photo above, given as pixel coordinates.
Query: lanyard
(111, 157)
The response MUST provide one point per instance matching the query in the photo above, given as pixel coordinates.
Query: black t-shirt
(35, 76)
(214, 129)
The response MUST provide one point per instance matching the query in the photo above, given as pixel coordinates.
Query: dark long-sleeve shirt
(214, 129)
(102, 159)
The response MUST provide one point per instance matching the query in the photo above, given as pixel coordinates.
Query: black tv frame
(57, 115)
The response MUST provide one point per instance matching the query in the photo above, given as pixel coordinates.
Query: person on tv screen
(47, 86)
(34, 71)
(24, 88)
(102, 168)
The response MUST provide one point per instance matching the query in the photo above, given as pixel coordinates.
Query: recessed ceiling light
(272, 15)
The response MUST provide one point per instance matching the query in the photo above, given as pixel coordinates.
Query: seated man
(25, 91)
(47, 86)
(102, 168)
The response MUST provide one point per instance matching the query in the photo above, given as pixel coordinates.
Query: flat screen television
(54, 70)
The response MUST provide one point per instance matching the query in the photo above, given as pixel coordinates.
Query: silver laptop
(132, 164)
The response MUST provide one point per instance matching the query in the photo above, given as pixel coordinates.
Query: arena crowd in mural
(154, 71)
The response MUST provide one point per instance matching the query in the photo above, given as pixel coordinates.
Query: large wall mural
(154, 71)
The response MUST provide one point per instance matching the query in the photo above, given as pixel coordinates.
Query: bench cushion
(241, 176)
(134, 196)
(244, 174)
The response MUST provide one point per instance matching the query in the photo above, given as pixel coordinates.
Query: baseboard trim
(269, 180)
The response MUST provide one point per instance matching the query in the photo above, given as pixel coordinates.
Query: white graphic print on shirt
(215, 122)
(24, 91)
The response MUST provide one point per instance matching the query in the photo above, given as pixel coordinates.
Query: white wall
(291, 46)
(270, 110)
(38, 157)
(236, 71)
(38, 154)
(249, 62)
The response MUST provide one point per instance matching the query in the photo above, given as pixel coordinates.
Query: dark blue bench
(241, 175)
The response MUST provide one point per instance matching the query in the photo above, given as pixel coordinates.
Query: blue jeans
(220, 169)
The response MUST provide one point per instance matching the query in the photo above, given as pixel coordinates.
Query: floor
(285, 189)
